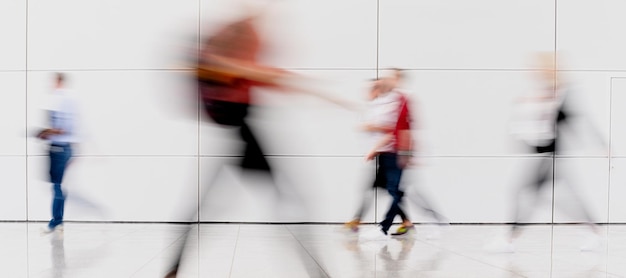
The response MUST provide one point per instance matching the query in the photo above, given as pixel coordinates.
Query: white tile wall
(617, 191)
(13, 32)
(72, 34)
(13, 129)
(589, 34)
(467, 113)
(147, 148)
(618, 114)
(484, 34)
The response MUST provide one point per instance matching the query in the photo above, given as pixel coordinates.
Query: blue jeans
(60, 154)
(388, 164)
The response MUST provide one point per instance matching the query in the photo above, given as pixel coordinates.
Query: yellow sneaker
(403, 230)
(353, 225)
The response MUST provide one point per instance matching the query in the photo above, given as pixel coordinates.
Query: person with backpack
(227, 70)
(377, 88)
(389, 127)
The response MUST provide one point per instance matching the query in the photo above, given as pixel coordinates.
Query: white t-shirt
(534, 120)
(62, 115)
(383, 111)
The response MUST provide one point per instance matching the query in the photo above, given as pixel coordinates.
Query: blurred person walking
(389, 125)
(397, 79)
(380, 138)
(61, 135)
(544, 118)
(226, 72)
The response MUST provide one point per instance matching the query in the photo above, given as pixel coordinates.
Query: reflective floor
(247, 250)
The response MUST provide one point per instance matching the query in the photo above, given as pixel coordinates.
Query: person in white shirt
(61, 135)
(546, 115)
(381, 124)
(381, 112)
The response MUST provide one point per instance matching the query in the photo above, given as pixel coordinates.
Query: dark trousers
(380, 181)
(60, 155)
(388, 164)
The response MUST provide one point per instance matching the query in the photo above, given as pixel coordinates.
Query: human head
(546, 63)
(59, 79)
(396, 77)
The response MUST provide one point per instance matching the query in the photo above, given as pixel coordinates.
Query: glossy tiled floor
(233, 250)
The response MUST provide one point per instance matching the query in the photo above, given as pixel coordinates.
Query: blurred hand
(44, 134)
(370, 156)
(367, 127)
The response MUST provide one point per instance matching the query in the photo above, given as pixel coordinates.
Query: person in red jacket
(389, 126)
(226, 72)
(378, 87)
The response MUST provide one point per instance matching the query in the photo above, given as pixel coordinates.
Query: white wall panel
(617, 191)
(467, 112)
(13, 31)
(582, 184)
(618, 115)
(312, 189)
(12, 113)
(310, 34)
(485, 34)
(142, 131)
(117, 34)
(125, 112)
(589, 34)
(118, 188)
(13, 191)
(472, 190)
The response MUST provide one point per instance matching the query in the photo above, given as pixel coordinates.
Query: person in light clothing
(61, 135)
(385, 120)
(378, 140)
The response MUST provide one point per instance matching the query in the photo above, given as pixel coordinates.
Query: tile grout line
(198, 115)
(555, 134)
(26, 141)
(232, 262)
(610, 158)
(26, 112)
(307, 251)
(377, 76)
(198, 118)
(608, 203)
